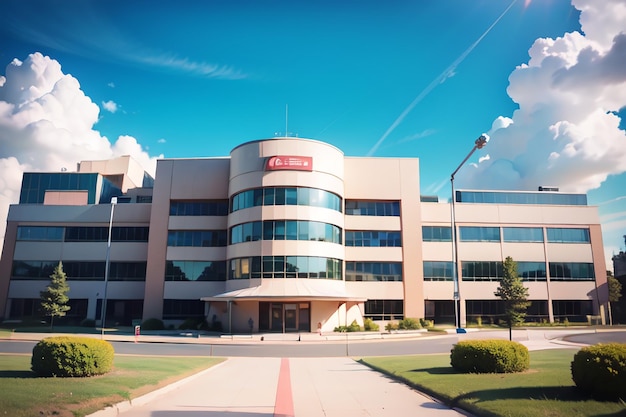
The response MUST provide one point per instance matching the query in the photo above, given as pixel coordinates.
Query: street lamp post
(478, 144)
(107, 263)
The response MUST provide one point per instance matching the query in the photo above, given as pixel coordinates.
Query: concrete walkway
(246, 387)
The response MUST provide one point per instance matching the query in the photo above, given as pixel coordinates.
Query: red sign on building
(296, 163)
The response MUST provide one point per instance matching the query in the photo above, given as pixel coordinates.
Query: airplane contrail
(447, 73)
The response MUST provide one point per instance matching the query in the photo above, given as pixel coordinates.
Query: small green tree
(54, 299)
(514, 295)
(615, 291)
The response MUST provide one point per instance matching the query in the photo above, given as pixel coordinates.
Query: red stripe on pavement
(284, 397)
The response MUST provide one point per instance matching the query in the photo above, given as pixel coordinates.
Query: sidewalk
(245, 387)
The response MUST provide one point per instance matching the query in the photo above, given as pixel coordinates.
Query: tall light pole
(107, 262)
(478, 144)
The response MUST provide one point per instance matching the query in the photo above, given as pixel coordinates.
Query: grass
(23, 394)
(546, 389)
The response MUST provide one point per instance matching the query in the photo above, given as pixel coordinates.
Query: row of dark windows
(285, 196)
(197, 238)
(373, 271)
(83, 233)
(372, 208)
(285, 230)
(577, 309)
(75, 270)
(509, 234)
(529, 271)
(199, 208)
(195, 271)
(373, 238)
(538, 198)
(285, 267)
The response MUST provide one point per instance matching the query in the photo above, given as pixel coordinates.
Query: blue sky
(407, 78)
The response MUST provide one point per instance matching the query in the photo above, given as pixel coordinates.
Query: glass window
(436, 234)
(201, 207)
(479, 234)
(481, 271)
(384, 309)
(43, 233)
(373, 271)
(373, 238)
(571, 271)
(504, 197)
(438, 271)
(372, 208)
(531, 271)
(568, 235)
(285, 267)
(522, 234)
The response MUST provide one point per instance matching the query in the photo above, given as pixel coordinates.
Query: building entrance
(284, 317)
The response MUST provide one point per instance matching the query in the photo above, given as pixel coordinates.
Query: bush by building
(489, 356)
(65, 356)
(600, 370)
(153, 324)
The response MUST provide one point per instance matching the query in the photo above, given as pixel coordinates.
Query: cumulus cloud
(110, 106)
(46, 124)
(566, 131)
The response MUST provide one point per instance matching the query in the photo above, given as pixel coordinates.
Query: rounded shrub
(369, 325)
(153, 324)
(489, 356)
(65, 356)
(600, 370)
(409, 324)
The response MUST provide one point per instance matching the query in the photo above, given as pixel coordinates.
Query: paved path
(303, 387)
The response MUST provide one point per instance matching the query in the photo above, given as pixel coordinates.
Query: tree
(615, 291)
(514, 295)
(54, 299)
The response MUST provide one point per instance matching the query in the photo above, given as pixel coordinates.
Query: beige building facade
(288, 235)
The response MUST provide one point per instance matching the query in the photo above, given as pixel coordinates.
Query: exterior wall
(351, 178)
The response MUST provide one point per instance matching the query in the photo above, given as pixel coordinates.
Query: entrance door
(284, 317)
(291, 322)
(277, 317)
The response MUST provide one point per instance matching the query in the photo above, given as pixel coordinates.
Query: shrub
(429, 324)
(390, 326)
(409, 324)
(600, 370)
(194, 324)
(65, 356)
(370, 326)
(152, 324)
(489, 356)
(353, 327)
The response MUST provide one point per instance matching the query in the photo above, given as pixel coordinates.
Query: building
(288, 234)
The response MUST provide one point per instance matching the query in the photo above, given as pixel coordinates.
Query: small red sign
(296, 163)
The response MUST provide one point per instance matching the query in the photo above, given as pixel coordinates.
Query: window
(438, 271)
(182, 309)
(479, 234)
(481, 271)
(372, 208)
(285, 267)
(571, 271)
(436, 234)
(291, 196)
(199, 208)
(373, 271)
(195, 270)
(522, 234)
(573, 310)
(101, 234)
(43, 233)
(196, 238)
(373, 238)
(384, 309)
(285, 230)
(542, 198)
(568, 235)
(531, 271)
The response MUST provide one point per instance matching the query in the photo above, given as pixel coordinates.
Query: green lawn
(546, 389)
(22, 394)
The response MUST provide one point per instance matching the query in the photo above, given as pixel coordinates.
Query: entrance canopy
(290, 289)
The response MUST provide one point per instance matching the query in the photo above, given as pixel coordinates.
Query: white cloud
(46, 124)
(566, 130)
(111, 84)
(110, 106)
(162, 140)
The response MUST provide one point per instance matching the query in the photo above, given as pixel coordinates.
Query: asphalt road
(353, 348)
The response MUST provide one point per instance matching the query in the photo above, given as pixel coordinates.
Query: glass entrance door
(284, 317)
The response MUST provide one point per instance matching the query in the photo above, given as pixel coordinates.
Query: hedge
(489, 356)
(65, 356)
(600, 370)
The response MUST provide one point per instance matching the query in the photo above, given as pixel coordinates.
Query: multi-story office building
(289, 234)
